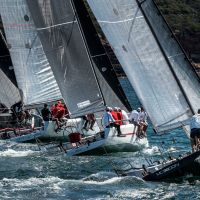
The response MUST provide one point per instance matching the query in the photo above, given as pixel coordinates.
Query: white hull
(25, 135)
(91, 144)
(71, 126)
(72, 149)
(85, 148)
(127, 142)
(130, 142)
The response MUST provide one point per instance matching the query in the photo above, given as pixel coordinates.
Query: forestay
(145, 63)
(33, 72)
(9, 94)
(64, 46)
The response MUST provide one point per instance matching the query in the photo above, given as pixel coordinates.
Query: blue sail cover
(33, 73)
(67, 54)
(151, 59)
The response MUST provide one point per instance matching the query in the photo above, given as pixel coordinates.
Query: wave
(151, 150)
(103, 178)
(14, 153)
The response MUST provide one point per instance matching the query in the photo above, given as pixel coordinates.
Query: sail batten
(154, 71)
(33, 73)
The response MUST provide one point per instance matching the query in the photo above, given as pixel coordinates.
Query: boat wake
(102, 178)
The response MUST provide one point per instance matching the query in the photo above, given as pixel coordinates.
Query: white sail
(9, 94)
(33, 72)
(189, 80)
(161, 77)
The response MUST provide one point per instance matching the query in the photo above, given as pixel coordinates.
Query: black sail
(111, 88)
(65, 49)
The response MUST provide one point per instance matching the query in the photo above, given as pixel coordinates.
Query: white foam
(31, 182)
(151, 150)
(100, 176)
(109, 181)
(172, 149)
(13, 153)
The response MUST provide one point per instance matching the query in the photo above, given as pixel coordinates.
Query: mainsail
(9, 94)
(65, 48)
(110, 86)
(156, 66)
(33, 72)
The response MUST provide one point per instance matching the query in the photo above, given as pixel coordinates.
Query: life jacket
(54, 111)
(115, 116)
(60, 113)
(120, 117)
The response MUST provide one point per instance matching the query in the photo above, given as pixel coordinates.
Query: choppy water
(26, 174)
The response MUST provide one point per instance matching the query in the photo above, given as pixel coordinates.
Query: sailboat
(82, 85)
(9, 96)
(154, 62)
(35, 79)
(34, 76)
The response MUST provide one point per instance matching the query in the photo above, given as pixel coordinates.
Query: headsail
(144, 60)
(176, 56)
(9, 94)
(33, 72)
(111, 88)
(67, 53)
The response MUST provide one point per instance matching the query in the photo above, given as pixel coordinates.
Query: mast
(165, 56)
(87, 49)
(108, 79)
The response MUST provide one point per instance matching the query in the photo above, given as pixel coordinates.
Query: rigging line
(98, 55)
(87, 49)
(72, 28)
(111, 162)
(142, 2)
(165, 56)
(4, 39)
(132, 24)
(32, 43)
(119, 21)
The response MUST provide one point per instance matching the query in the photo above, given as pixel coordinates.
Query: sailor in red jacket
(119, 115)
